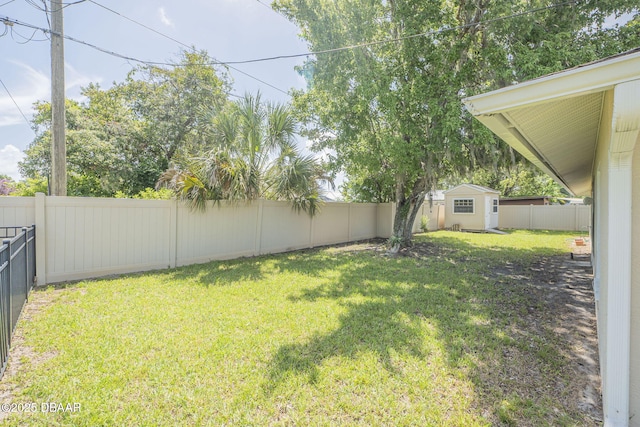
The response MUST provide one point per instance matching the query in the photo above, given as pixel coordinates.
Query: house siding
(634, 398)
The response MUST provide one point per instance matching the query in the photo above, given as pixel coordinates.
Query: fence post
(173, 237)
(26, 269)
(41, 239)
(258, 241)
(349, 223)
(7, 300)
(530, 217)
(312, 230)
(4, 308)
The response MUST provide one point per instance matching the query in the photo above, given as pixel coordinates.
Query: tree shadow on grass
(221, 273)
(474, 303)
(369, 326)
(387, 300)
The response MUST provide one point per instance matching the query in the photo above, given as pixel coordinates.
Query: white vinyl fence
(80, 237)
(84, 237)
(550, 217)
(434, 214)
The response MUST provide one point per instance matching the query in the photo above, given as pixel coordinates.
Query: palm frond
(187, 187)
(253, 154)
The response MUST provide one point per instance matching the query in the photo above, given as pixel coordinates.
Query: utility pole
(58, 184)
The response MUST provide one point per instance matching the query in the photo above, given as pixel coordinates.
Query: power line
(140, 24)
(216, 62)
(45, 8)
(10, 22)
(275, 11)
(4, 4)
(47, 11)
(397, 39)
(26, 39)
(15, 103)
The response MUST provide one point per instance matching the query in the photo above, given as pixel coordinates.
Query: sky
(229, 30)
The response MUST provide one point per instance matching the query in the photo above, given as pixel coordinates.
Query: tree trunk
(406, 211)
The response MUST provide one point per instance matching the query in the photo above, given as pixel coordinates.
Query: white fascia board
(592, 78)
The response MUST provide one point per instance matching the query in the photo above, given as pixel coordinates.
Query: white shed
(471, 207)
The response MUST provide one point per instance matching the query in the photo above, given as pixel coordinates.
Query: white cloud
(34, 86)
(164, 18)
(74, 81)
(9, 158)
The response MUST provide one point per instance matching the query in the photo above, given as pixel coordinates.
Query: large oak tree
(390, 110)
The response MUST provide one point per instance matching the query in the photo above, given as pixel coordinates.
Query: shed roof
(525, 198)
(475, 187)
(554, 120)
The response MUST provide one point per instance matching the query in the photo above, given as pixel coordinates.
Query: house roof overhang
(554, 121)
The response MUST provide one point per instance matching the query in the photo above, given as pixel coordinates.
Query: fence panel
(16, 212)
(283, 229)
(435, 214)
(224, 230)
(90, 237)
(10, 232)
(85, 237)
(550, 217)
(363, 223)
(17, 272)
(5, 305)
(331, 225)
(518, 217)
(18, 276)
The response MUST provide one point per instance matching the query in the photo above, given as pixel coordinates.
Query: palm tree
(252, 156)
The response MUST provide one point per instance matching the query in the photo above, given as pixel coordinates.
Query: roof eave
(492, 108)
(591, 78)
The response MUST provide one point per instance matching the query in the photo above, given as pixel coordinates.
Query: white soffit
(554, 120)
(564, 133)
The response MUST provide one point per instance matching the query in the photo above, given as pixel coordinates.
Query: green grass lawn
(319, 337)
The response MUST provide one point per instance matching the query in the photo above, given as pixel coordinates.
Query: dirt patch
(561, 313)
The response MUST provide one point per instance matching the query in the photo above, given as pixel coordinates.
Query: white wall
(635, 289)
